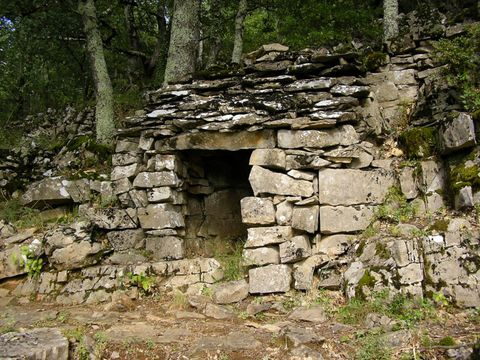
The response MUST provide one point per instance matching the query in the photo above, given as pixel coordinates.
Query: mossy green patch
(382, 250)
(461, 176)
(420, 142)
(440, 225)
(373, 60)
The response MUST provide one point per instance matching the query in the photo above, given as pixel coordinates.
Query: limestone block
(408, 182)
(79, 190)
(121, 172)
(301, 175)
(121, 186)
(42, 343)
(338, 219)
(293, 139)
(122, 159)
(303, 272)
(310, 84)
(126, 239)
(230, 292)
(466, 296)
(262, 236)
(334, 245)
(433, 184)
(464, 198)
(110, 218)
(261, 256)
(269, 158)
(161, 194)
(125, 146)
(405, 252)
(264, 181)
(270, 279)
(458, 134)
(349, 187)
(76, 255)
(166, 162)
(306, 161)
(51, 191)
(139, 198)
(284, 213)
(305, 218)
(350, 90)
(257, 211)
(410, 274)
(156, 179)
(296, 249)
(220, 141)
(165, 248)
(161, 216)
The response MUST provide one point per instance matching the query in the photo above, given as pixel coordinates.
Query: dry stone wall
(292, 156)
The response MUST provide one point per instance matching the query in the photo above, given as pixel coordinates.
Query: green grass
(230, 257)
(372, 347)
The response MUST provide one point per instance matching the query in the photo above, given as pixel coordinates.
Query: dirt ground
(167, 327)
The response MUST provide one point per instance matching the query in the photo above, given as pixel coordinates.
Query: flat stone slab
(44, 343)
(221, 141)
(337, 219)
(349, 187)
(291, 139)
(314, 314)
(262, 236)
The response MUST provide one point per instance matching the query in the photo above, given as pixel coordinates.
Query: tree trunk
(239, 28)
(134, 62)
(390, 19)
(182, 52)
(105, 125)
(160, 50)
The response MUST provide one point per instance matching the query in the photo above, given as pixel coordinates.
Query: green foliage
(31, 263)
(373, 346)
(142, 281)
(419, 142)
(447, 341)
(396, 208)
(14, 212)
(462, 56)
(461, 176)
(230, 258)
(310, 23)
(401, 307)
(373, 60)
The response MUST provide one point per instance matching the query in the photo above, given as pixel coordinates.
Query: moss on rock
(419, 142)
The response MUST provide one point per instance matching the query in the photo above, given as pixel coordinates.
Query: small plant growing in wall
(142, 281)
(28, 259)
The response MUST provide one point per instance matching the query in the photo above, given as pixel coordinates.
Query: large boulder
(49, 191)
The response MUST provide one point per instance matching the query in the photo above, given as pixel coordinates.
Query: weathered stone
(165, 248)
(121, 172)
(127, 239)
(79, 190)
(230, 292)
(284, 213)
(305, 218)
(303, 335)
(8, 266)
(123, 159)
(269, 158)
(156, 179)
(110, 218)
(262, 236)
(458, 134)
(139, 198)
(312, 314)
(464, 198)
(218, 312)
(307, 161)
(220, 141)
(121, 186)
(125, 146)
(352, 90)
(301, 175)
(467, 296)
(51, 191)
(43, 343)
(260, 256)
(310, 84)
(292, 139)
(408, 182)
(257, 211)
(161, 216)
(166, 162)
(334, 245)
(303, 272)
(264, 181)
(76, 255)
(161, 194)
(433, 183)
(270, 279)
(337, 219)
(350, 187)
(296, 249)
(410, 274)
